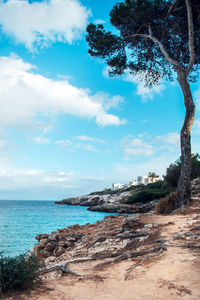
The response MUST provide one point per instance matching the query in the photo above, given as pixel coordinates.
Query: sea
(21, 221)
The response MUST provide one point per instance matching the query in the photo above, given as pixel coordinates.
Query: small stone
(54, 236)
(44, 253)
(42, 243)
(148, 226)
(42, 236)
(50, 246)
(58, 251)
(50, 259)
(177, 236)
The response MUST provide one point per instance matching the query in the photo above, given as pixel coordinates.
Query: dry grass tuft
(166, 205)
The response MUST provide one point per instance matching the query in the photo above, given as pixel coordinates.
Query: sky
(66, 127)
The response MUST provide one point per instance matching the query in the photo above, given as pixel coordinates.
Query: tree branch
(174, 62)
(172, 6)
(190, 36)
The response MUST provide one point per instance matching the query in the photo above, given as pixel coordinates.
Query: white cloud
(4, 145)
(64, 143)
(99, 21)
(41, 23)
(172, 138)
(40, 140)
(145, 145)
(197, 124)
(106, 101)
(45, 184)
(108, 119)
(91, 148)
(71, 146)
(143, 91)
(26, 96)
(197, 99)
(136, 147)
(90, 139)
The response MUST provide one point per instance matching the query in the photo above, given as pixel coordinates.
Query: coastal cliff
(113, 201)
(97, 199)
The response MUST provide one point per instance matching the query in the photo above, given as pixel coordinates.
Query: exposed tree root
(127, 256)
(183, 246)
(131, 235)
(59, 268)
(120, 257)
(142, 262)
(64, 268)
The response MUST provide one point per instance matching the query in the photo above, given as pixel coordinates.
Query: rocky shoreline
(121, 254)
(113, 232)
(90, 239)
(109, 203)
(117, 257)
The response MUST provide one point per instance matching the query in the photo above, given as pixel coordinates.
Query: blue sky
(66, 127)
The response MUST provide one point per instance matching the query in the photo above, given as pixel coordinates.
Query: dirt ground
(175, 274)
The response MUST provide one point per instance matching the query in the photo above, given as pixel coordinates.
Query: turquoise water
(21, 221)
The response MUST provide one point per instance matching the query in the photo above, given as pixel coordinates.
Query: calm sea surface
(21, 221)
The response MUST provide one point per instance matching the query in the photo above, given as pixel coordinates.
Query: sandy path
(175, 274)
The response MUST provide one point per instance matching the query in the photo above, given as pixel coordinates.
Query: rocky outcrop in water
(96, 199)
(115, 201)
(123, 208)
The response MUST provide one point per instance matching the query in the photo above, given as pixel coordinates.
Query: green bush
(153, 186)
(147, 196)
(167, 204)
(18, 273)
(173, 171)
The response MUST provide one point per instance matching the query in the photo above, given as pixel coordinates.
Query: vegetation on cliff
(173, 171)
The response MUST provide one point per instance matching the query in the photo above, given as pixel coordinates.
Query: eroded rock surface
(111, 236)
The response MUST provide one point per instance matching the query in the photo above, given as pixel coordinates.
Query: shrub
(153, 186)
(167, 204)
(173, 171)
(18, 273)
(147, 196)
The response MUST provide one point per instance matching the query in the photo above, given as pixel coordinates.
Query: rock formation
(109, 203)
(96, 199)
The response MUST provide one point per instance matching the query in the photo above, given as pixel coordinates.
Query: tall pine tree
(156, 38)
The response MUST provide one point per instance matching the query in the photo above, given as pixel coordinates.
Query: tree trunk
(184, 180)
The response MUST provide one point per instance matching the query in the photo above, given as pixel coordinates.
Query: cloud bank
(142, 146)
(27, 96)
(42, 23)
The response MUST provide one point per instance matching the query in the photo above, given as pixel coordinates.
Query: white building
(117, 186)
(133, 183)
(145, 179)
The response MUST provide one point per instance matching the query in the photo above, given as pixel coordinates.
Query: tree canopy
(143, 28)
